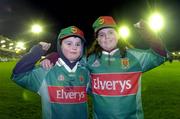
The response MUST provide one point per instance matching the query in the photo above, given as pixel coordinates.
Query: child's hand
(45, 46)
(46, 64)
(141, 24)
(145, 31)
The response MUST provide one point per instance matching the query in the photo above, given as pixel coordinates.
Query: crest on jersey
(81, 78)
(125, 63)
(61, 77)
(96, 63)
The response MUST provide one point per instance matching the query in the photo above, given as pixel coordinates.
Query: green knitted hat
(71, 31)
(103, 22)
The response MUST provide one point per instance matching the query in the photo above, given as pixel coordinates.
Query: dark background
(17, 15)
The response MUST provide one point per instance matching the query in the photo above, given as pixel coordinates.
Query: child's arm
(24, 73)
(151, 38)
(49, 60)
(28, 61)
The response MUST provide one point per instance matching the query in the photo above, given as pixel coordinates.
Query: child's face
(71, 48)
(107, 38)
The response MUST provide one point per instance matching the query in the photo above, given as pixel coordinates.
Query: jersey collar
(110, 53)
(60, 63)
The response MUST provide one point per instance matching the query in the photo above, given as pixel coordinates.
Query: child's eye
(78, 44)
(68, 43)
(111, 32)
(101, 35)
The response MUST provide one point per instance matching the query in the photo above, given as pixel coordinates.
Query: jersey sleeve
(148, 59)
(25, 73)
(30, 80)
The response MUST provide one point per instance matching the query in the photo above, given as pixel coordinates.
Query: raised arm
(28, 61)
(151, 38)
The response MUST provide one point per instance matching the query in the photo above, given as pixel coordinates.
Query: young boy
(63, 87)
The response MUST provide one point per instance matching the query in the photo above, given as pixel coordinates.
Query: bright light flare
(36, 28)
(3, 46)
(123, 32)
(20, 45)
(10, 44)
(3, 41)
(10, 48)
(174, 53)
(156, 22)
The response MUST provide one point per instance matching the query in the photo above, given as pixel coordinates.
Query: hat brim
(100, 28)
(82, 38)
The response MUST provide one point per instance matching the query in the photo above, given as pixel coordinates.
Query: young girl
(116, 70)
(63, 87)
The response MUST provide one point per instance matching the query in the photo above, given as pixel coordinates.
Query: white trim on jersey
(111, 53)
(60, 63)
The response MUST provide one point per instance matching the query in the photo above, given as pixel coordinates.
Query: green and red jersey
(116, 82)
(62, 89)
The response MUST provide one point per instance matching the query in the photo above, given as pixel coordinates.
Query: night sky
(16, 16)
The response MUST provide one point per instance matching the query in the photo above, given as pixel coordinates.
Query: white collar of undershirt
(60, 63)
(110, 53)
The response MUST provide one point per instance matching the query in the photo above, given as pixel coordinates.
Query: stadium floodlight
(3, 46)
(10, 48)
(18, 51)
(156, 22)
(23, 48)
(10, 44)
(3, 41)
(20, 45)
(36, 28)
(123, 32)
(174, 53)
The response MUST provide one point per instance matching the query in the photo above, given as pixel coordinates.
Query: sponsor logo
(115, 84)
(68, 94)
